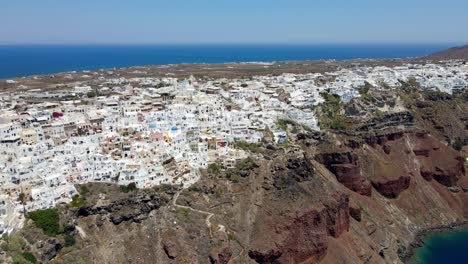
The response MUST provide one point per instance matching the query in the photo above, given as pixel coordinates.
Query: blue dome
(152, 125)
(174, 128)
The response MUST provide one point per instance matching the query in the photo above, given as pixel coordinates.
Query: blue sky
(241, 21)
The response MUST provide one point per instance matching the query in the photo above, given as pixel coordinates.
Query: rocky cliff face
(327, 197)
(347, 169)
(304, 237)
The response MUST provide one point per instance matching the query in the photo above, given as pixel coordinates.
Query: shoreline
(424, 235)
(399, 60)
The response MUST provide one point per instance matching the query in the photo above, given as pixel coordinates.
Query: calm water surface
(444, 248)
(24, 60)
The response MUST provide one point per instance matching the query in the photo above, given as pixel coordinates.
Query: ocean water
(444, 248)
(25, 60)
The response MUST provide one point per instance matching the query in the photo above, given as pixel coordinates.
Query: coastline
(15, 61)
(228, 65)
(424, 235)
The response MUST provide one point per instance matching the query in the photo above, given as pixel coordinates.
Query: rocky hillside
(384, 168)
(455, 53)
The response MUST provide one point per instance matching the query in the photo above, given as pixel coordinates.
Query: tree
(22, 199)
(91, 94)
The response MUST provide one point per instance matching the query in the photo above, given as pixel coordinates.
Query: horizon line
(232, 43)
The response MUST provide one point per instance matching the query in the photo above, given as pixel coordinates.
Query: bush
(338, 122)
(214, 168)
(242, 167)
(164, 187)
(458, 144)
(47, 220)
(233, 175)
(78, 201)
(379, 113)
(131, 187)
(83, 190)
(91, 94)
(283, 123)
(29, 257)
(250, 147)
(246, 164)
(70, 240)
(365, 88)
(332, 104)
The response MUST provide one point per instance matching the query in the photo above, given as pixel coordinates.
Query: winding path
(209, 214)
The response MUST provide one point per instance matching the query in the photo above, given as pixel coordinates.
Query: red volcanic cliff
(438, 161)
(394, 158)
(304, 237)
(346, 167)
(389, 161)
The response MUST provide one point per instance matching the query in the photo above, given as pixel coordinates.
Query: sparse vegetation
(70, 240)
(378, 113)
(78, 201)
(458, 144)
(250, 147)
(214, 169)
(91, 94)
(364, 92)
(384, 85)
(283, 123)
(337, 122)
(29, 257)
(331, 116)
(246, 164)
(365, 88)
(183, 214)
(14, 246)
(164, 187)
(131, 187)
(411, 85)
(83, 190)
(47, 220)
(241, 170)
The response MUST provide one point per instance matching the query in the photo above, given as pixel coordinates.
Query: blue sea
(25, 60)
(450, 248)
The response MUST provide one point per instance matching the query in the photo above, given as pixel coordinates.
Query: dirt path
(209, 214)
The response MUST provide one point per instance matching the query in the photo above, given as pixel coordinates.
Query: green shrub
(70, 240)
(131, 187)
(332, 104)
(246, 164)
(233, 175)
(458, 144)
(83, 190)
(29, 257)
(379, 113)
(214, 168)
(164, 187)
(78, 201)
(91, 94)
(250, 147)
(47, 220)
(283, 123)
(365, 88)
(338, 122)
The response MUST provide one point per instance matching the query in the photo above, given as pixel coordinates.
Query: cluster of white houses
(151, 131)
